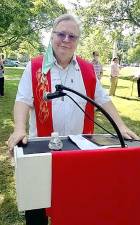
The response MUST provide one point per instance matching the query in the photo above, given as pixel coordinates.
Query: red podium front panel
(99, 187)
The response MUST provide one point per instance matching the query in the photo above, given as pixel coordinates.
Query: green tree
(114, 17)
(21, 19)
(112, 13)
(27, 50)
(97, 40)
(134, 51)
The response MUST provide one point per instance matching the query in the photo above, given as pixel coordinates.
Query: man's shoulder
(37, 61)
(86, 67)
(82, 60)
(38, 57)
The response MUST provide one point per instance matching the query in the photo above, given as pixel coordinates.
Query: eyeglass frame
(62, 35)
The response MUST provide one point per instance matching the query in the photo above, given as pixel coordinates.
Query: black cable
(88, 116)
(60, 88)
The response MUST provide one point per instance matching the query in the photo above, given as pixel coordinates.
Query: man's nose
(66, 39)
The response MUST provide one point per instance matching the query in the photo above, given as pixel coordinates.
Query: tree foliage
(97, 40)
(112, 13)
(113, 17)
(134, 51)
(23, 19)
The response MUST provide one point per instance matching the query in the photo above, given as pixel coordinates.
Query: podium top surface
(40, 145)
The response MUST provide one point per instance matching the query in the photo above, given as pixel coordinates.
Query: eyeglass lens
(63, 35)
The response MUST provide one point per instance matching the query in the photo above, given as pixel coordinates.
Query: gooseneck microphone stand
(35, 217)
(59, 93)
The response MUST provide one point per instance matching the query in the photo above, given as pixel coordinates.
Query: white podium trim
(33, 175)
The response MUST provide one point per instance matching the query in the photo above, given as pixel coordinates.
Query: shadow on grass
(118, 87)
(126, 78)
(128, 98)
(6, 110)
(121, 77)
(103, 121)
(8, 208)
(8, 214)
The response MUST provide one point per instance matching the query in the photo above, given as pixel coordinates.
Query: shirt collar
(73, 62)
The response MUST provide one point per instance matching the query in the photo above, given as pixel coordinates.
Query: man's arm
(21, 113)
(125, 131)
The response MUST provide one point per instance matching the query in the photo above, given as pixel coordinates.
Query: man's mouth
(65, 47)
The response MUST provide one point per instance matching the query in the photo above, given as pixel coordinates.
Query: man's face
(96, 56)
(65, 39)
(116, 61)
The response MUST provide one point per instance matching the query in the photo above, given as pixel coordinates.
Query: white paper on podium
(85, 144)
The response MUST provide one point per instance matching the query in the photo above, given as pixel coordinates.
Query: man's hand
(125, 131)
(128, 134)
(15, 137)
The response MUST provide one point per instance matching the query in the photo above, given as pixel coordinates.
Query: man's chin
(64, 54)
(64, 50)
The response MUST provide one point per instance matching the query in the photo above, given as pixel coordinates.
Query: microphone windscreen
(45, 94)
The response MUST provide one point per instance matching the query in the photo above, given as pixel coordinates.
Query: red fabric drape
(99, 187)
(89, 79)
(43, 109)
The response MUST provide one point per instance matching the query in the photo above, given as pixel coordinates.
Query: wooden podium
(95, 187)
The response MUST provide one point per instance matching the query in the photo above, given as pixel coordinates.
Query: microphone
(59, 93)
(49, 95)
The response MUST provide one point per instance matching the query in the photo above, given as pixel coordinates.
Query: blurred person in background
(1, 77)
(97, 65)
(137, 78)
(115, 71)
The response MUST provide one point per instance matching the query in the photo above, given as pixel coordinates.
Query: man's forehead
(67, 25)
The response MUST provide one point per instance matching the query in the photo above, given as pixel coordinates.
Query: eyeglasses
(63, 35)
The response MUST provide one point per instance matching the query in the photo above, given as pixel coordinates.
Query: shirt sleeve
(101, 95)
(25, 93)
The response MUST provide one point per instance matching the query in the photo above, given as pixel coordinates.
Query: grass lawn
(8, 209)
(126, 102)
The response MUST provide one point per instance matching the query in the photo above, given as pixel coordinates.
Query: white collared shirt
(115, 69)
(67, 117)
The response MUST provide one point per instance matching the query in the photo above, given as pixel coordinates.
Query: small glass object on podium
(55, 142)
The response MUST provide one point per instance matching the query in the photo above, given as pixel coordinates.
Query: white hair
(67, 17)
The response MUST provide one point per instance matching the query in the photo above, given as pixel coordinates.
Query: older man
(60, 65)
(64, 68)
